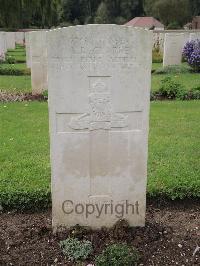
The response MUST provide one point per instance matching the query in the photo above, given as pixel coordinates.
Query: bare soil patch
(171, 234)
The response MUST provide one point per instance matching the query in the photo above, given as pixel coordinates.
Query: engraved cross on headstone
(99, 120)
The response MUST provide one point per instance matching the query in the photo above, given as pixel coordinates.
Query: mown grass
(156, 66)
(174, 152)
(19, 53)
(24, 155)
(15, 83)
(174, 149)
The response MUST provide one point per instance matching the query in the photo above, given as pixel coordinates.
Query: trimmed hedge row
(11, 71)
(31, 200)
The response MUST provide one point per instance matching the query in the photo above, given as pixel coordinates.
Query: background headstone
(3, 47)
(194, 36)
(99, 80)
(19, 37)
(186, 38)
(10, 40)
(173, 46)
(28, 50)
(38, 60)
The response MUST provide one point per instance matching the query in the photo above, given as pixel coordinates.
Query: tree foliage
(49, 13)
(172, 12)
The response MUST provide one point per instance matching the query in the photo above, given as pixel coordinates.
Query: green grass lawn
(15, 83)
(156, 66)
(19, 53)
(189, 80)
(174, 149)
(24, 156)
(174, 152)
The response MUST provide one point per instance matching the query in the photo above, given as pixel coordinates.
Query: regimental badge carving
(101, 115)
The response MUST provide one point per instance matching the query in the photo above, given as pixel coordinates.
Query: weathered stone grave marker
(173, 46)
(10, 40)
(28, 49)
(19, 37)
(194, 36)
(99, 80)
(3, 47)
(38, 61)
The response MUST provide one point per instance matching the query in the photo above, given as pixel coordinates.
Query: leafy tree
(131, 8)
(149, 8)
(10, 13)
(79, 10)
(126, 9)
(195, 7)
(102, 15)
(177, 11)
(48, 13)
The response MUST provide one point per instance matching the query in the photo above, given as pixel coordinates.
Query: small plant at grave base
(171, 89)
(10, 59)
(117, 255)
(157, 56)
(191, 52)
(45, 94)
(76, 250)
(194, 94)
(12, 71)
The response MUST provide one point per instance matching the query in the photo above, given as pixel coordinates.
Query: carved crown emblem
(99, 87)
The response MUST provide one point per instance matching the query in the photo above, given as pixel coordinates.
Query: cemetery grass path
(174, 152)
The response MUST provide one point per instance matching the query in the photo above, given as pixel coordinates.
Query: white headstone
(10, 40)
(194, 36)
(28, 50)
(99, 80)
(19, 37)
(3, 47)
(173, 46)
(38, 61)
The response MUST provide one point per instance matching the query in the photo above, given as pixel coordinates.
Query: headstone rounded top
(99, 26)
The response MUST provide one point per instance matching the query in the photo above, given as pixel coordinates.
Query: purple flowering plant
(191, 53)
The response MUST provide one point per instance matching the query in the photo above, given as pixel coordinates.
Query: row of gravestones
(8, 40)
(36, 51)
(159, 38)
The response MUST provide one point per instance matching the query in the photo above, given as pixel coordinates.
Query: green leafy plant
(10, 59)
(12, 71)
(45, 94)
(194, 94)
(173, 26)
(117, 255)
(157, 56)
(76, 250)
(171, 89)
